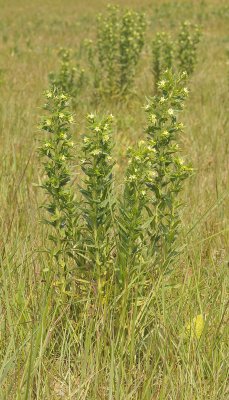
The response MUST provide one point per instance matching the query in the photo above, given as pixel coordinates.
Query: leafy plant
(178, 54)
(154, 179)
(188, 40)
(131, 209)
(56, 151)
(120, 39)
(169, 169)
(98, 203)
(68, 79)
(163, 55)
(145, 226)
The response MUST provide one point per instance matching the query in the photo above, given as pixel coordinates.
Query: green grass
(44, 352)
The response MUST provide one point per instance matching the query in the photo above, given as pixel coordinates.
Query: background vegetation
(39, 346)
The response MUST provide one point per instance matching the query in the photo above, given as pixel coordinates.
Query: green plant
(169, 169)
(154, 180)
(163, 55)
(68, 79)
(120, 39)
(187, 43)
(178, 54)
(130, 47)
(148, 216)
(56, 151)
(98, 204)
(131, 209)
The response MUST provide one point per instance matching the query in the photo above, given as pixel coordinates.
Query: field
(138, 339)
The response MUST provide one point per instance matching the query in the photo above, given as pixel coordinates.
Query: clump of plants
(179, 54)
(68, 79)
(116, 52)
(188, 40)
(163, 55)
(111, 236)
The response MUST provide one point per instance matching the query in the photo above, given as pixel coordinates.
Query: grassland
(35, 364)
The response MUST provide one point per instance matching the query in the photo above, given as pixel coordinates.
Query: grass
(44, 353)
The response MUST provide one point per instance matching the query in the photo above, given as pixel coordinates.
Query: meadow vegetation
(114, 200)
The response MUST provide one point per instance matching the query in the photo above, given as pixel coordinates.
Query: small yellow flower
(48, 122)
(151, 149)
(153, 174)
(165, 133)
(162, 84)
(153, 119)
(90, 116)
(106, 138)
(96, 152)
(132, 178)
(48, 94)
(170, 111)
